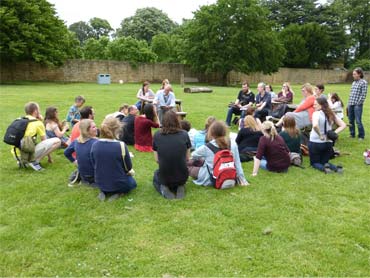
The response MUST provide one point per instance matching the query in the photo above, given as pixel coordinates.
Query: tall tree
(82, 30)
(285, 12)
(307, 45)
(130, 50)
(30, 30)
(96, 49)
(145, 24)
(232, 35)
(100, 27)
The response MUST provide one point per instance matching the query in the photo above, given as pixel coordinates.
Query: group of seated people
(258, 131)
(103, 160)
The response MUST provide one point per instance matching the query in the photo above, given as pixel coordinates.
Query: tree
(145, 24)
(307, 45)
(232, 35)
(285, 12)
(167, 47)
(96, 49)
(30, 30)
(100, 27)
(82, 30)
(130, 50)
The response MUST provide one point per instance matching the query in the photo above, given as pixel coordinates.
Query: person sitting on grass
(143, 129)
(82, 147)
(171, 147)
(291, 135)
(320, 146)
(272, 152)
(55, 128)
(73, 115)
(128, 126)
(217, 136)
(121, 113)
(186, 125)
(201, 135)
(86, 112)
(32, 152)
(336, 104)
(112, 163)
(248, 137)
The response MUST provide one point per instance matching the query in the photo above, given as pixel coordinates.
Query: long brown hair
(335, 97)
(170, 123)
(51, 116)
(329, 114)
(290, 126)
(218, 131)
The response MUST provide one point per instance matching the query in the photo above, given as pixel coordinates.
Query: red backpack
(224, 171)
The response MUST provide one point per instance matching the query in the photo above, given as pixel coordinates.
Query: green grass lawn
(319, 224)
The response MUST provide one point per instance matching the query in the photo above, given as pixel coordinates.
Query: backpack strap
(212, 147)
(123, 153)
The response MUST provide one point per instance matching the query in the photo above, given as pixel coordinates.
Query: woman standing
(272, 152)
(112, 163)
(171, 147)
(320, 146)
(143, 129)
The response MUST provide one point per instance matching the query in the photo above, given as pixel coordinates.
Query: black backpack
(15, 131)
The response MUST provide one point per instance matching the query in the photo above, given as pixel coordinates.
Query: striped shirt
(358, 92)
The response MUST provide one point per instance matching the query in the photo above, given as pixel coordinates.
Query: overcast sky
(115, 11)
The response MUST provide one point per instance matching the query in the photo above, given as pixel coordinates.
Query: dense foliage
(240, 35)
(30, 30)
(145, 24)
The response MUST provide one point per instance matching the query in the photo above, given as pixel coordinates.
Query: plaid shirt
(358, 92)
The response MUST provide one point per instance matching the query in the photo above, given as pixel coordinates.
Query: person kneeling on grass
(171, 147)
(272, 152)
(112, 163)
(82, 147)
(32, 152)
(320, 146)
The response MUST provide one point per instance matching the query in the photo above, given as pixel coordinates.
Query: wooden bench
(181, 114)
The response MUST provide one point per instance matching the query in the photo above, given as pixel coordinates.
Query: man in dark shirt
(263, 103)
(128, 129)
(244, 100)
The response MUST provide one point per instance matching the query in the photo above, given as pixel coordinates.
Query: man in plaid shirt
(355, 103)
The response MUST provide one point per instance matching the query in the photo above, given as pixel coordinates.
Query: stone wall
(87, 71)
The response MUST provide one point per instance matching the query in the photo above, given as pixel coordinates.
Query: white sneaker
(36, 166)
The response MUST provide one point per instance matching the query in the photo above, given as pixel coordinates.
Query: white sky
(115, 11)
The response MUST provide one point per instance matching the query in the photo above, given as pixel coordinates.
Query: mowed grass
(303, 223)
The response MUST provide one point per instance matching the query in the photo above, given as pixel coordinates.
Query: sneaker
(180, 194)
(339, 169)
(360, 139)
(101, 196)
(36, 166)
(268, 118)
(166, 192)
(115, 197)
(327, 169)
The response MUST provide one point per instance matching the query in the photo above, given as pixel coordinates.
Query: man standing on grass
(355, 103)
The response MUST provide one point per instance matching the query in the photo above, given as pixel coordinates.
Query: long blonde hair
(218, 131)
(84, 127)
(269, 130)
(110, 128)
(250, 122)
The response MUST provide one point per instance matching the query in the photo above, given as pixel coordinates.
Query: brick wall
(87, 71)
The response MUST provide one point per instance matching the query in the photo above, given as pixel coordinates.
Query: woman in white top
(336, 104)
(143, 94)
(320, 146)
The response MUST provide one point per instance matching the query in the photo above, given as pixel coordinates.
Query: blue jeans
(320, 154)
(355, 113)
(236, 111)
